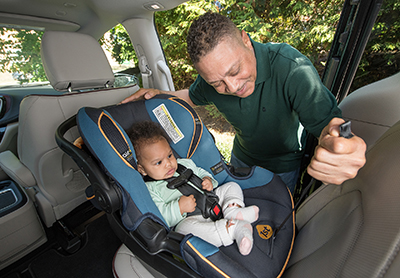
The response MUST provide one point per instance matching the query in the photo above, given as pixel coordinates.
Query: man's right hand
(143, 93)
(148, 93)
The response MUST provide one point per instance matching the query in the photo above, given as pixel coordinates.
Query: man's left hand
(336, 159)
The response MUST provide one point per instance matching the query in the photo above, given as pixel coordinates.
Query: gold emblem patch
(264, 231)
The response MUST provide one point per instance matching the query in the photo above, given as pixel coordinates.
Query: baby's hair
(146, 132)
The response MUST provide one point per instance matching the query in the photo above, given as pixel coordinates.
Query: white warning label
(167, 122)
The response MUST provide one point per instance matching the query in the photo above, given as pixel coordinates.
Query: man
(268, 92)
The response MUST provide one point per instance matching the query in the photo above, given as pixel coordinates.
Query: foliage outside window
(20, 54)
(308, 25)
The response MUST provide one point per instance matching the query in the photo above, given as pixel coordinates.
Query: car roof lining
(18, 21)
(92, 17)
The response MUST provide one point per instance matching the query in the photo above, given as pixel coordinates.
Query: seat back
(72, 62)
(374, 108)
(353, 230)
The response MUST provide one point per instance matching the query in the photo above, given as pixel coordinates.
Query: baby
(156, 160)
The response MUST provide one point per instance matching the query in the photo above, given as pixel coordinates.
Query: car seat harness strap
(190, 184)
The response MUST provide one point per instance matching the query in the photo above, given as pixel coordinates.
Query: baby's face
(157, 160)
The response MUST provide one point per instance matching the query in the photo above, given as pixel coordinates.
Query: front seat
(353, 230)
(382, 98)
(73, 62)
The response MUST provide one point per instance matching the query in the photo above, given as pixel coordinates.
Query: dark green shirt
(269, 123)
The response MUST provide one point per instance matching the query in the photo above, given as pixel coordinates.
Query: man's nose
(231, 85)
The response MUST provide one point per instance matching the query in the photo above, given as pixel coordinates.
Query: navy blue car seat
(110, 165)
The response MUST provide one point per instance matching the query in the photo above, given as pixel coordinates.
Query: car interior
(48, 227)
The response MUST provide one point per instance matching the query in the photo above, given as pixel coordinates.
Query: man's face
(230, 67)
(157, 160)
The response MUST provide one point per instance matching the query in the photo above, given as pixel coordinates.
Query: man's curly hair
(206, 32)
(146, 132)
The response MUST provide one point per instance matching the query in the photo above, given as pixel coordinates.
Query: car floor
(96, 247)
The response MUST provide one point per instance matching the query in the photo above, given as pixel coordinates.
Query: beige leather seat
(72, 62)
(374, 108)
(353, 230)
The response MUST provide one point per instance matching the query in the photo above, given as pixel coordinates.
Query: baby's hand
(187, 204)
(207, 184)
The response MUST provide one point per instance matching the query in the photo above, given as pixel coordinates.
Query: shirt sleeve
(312, 101)
(169, 210)
(197, 91)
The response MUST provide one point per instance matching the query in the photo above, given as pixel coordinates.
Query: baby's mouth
(171, 172)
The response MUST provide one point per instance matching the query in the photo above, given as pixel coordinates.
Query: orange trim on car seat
(291, 245)
(112, 146)
(90, 198)
(189, 155)
(207, 261)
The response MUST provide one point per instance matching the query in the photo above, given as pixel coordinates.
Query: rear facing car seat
(138, 222)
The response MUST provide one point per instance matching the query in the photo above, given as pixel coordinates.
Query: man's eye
(236, 72)
(219, 84)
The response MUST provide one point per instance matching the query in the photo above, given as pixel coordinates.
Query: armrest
(17, 171)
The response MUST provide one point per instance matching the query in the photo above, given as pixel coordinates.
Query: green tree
(382, 53)
(119, 44)
(20, 53)
(172, 26)
(308, 26)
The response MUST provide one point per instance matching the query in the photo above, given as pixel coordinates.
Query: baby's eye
(170, 155)
(158, 163)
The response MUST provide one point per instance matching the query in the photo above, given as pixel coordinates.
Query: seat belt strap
(206, 201)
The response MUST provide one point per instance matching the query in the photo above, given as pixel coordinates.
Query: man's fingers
(334, 161)
(143, 93)
(128, 99)
(340, 145)
(332, 129)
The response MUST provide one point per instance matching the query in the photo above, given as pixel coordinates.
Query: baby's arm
(169, 209)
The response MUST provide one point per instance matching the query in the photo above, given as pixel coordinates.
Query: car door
(352, 34)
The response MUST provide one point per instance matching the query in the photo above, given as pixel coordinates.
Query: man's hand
(143, 93)
(336, 159)
(187, 204)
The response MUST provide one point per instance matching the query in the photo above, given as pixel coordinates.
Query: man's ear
(246, 40)
(141, 170)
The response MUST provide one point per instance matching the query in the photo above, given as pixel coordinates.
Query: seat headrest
(75, 61)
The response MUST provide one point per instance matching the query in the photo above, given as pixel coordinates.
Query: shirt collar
(262, 60)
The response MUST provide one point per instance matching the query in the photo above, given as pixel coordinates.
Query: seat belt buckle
(215, 212)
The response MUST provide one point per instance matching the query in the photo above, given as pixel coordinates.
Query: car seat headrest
(74, 61)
